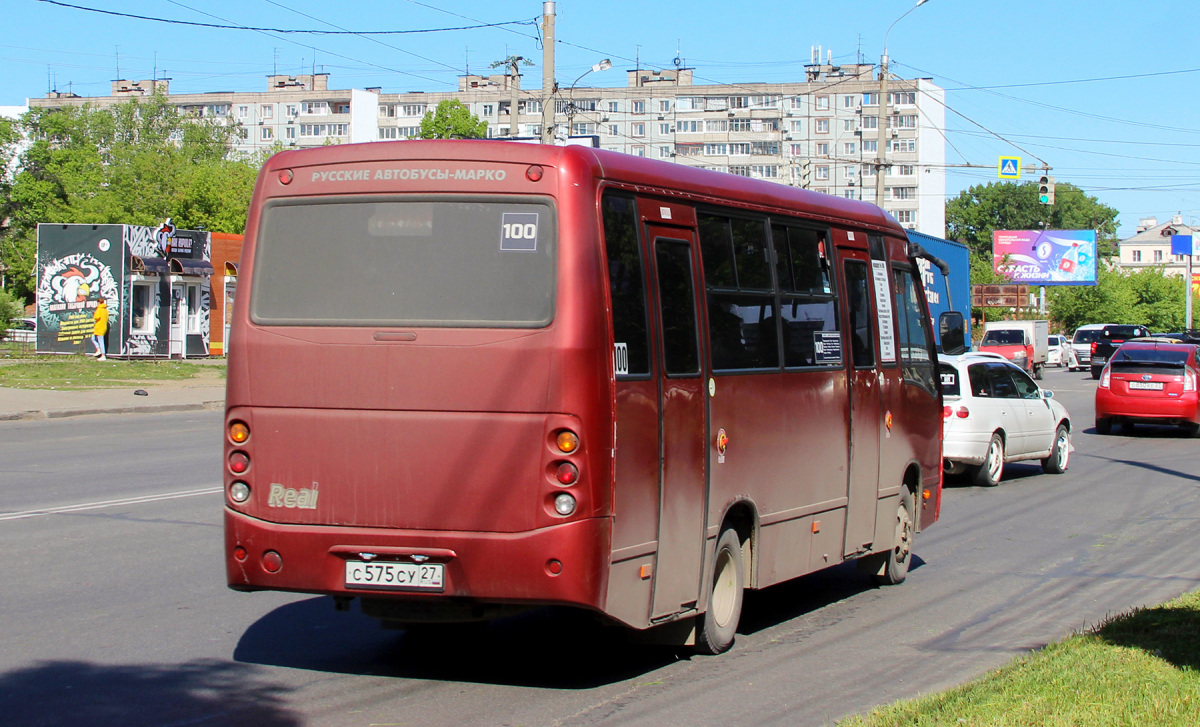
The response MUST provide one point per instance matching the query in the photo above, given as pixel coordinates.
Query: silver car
(995, 413)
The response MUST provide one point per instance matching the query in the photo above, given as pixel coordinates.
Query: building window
(797, 150)
(739, 102)
(902, 122)
(216, 110)
(638, 151)
(638, 129)
(851, 193)
(870, 99)
(904, 217)
(850, 148)
(716, 125)
(529, 107)
(716, 150)
(664, 129)
(822, 103)
(764, 171)
(292, 109)
(870, 146)
(291, 132)
(1158, 256)
(1137, 256)
(612, 107)
(902, 145)
(741, 171)
(849, 125)
(851, 173)
(314, 108)
(765, 148)
(903, 98)
(266, 133)
(821, 173)
(689, 150)
(141, 321)
(664, 152)
(797, 126)
(849, 102)
(821, 149)
(739, 149)
(342, 108)
(821, 126)
(900, 193)
(614, 130)
(581, 129)
(266, 111)
(488, 109)
(664, 105)
(637, 107)
(412, 109)
(906, 170)
(869, 122)
(689, 127)
(243, 111)
(323, 129)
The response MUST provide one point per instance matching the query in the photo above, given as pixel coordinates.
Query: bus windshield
(428, 262)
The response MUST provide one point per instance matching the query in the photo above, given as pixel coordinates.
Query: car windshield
(950, 385)
(1087, 336)
(1139, 357)
(1004, 338)
(1123, 332)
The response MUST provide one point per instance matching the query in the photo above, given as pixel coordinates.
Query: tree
(452, 120)
(976, 213)
(1146, 297)
(134, 163)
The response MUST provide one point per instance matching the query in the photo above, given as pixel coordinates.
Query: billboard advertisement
(1045, 257)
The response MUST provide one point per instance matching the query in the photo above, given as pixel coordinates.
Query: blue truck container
(941, 291)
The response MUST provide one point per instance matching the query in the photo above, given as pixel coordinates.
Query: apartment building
(821, 133)
(1151, 246)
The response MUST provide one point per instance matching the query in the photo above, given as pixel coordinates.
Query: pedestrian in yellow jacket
(100, 328)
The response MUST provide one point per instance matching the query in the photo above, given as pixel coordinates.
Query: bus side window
(912, 331)
(742, 320)
(807, 304)
(862, 342)
(626, 283)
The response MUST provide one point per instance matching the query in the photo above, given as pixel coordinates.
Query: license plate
(1098, 359)
(1147, 385)
(386, 574)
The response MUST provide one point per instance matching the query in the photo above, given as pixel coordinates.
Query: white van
(1082, 343)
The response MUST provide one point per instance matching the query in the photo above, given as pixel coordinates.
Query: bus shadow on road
(557, 648)
(203, 691)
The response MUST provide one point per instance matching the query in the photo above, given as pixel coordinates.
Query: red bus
(476, 377)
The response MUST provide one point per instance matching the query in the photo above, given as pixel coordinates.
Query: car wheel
(1095, 373)
(1060, 453)
(895, 568)
(1039, 371)
(718, 625)
(988, 474)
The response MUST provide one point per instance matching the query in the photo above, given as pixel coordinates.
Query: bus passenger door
(866, 417)
(683, 450)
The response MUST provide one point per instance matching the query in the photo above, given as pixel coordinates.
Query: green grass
(1138, 669)
(84, 372)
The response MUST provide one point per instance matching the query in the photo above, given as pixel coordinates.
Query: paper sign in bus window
(827, 345)
(519, 232)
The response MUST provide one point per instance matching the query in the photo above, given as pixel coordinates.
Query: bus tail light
(286, 176)
(239, 462)
(239, 433)
(239, 492)
(567, 473)
(272, 561)
(567, 441)
(564, 504)
(534, 173)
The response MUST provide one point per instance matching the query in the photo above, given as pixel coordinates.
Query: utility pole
(548, 72)
(880, 153)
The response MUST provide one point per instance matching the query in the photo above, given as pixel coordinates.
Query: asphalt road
(115, 611)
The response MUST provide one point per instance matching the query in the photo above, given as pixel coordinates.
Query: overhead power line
(310, 31)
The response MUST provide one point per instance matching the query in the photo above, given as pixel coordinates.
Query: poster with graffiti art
(68, 291)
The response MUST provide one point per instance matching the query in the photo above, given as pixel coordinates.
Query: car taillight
(1189, 381)
(962, 412)
(946, 412)
(1093, 347)
(1104, 378)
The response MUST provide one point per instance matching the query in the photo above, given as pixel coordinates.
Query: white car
(22, 330)
(995, 413)
(1060, 353)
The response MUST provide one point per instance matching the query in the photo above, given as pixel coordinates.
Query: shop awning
(231, 268)
(145, 265)
(187, 266)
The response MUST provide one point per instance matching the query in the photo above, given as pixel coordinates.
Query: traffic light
(1046, 190)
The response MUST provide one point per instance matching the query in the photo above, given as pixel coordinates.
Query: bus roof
(696, 184)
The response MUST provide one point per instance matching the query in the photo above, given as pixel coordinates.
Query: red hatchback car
(1151, 382)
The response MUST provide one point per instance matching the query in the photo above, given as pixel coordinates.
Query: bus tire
(717, 626)
(989, 473)
(895, 568)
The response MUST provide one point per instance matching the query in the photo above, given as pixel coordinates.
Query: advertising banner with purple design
(1045, 257)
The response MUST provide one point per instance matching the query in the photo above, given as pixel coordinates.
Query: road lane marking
(82, 507)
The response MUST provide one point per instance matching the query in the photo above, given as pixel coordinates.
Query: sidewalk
(18, 404)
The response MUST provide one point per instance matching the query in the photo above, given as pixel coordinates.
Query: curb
(145, 409)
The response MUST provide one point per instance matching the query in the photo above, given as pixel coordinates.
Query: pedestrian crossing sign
(1010, 168)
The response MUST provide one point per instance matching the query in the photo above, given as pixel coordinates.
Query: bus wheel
(716, 629)
(988, 474)
(895, 568)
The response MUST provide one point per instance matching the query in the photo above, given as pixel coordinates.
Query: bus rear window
(418, 262)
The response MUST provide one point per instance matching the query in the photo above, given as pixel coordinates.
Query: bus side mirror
(952, 332)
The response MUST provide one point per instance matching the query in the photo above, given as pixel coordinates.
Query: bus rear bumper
(561, 565)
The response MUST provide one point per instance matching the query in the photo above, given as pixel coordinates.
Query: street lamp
(881, 152)
(603, 65)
